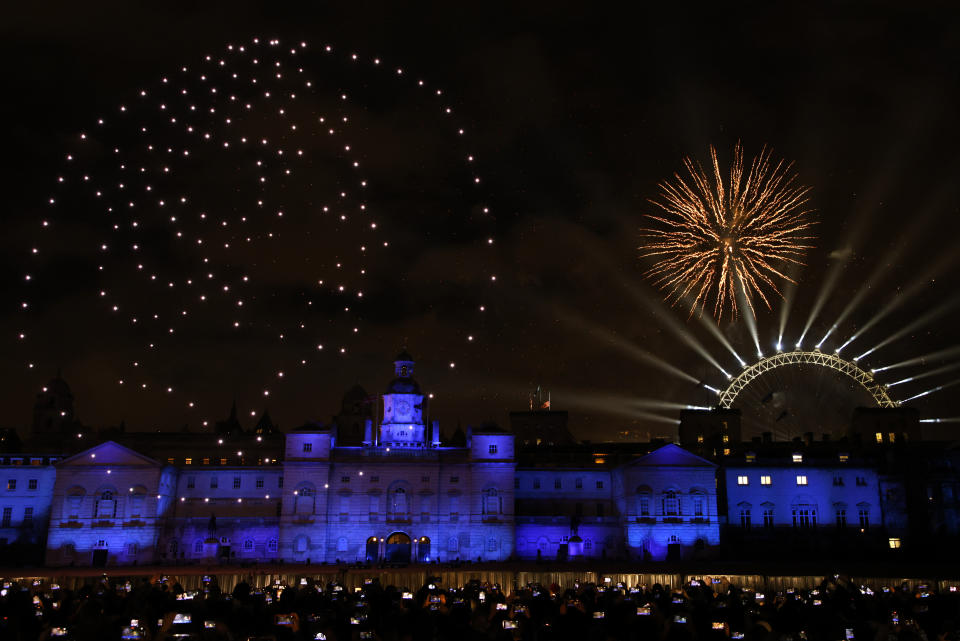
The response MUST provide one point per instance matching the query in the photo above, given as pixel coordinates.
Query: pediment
(672, 455)
(110, 453)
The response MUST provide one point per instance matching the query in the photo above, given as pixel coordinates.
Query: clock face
(403, 408)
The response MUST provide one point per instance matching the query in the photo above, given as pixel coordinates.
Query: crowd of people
(703, 610)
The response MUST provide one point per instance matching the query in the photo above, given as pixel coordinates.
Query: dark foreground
(483, 602)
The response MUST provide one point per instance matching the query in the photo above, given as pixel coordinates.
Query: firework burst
(716, 242)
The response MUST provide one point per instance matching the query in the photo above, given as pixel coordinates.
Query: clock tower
(403, 424)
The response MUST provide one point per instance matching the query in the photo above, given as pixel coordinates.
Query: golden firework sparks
(715, 240)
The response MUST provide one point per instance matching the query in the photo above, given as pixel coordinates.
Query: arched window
(587, 545)
(132, 549)
(342, 544)
(137, 498)
(300, 545)
(248, 545)
(491, 501)
(74, 502)
(699, 499)
(643, 501)
(398, 503)
(671, 503)
(198, 546)
(106, 507)
(674, 538)
(304, 499)
(272, 545)
(173, 548)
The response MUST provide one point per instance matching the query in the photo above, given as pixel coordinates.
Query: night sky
(571, 116)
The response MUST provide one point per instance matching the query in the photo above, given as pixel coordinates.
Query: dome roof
(58, 387)
(403, 385)
(355, 395)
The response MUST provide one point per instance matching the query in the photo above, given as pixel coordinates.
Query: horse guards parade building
(380, 484)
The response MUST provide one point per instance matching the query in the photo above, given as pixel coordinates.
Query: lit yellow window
(891, 437)
(879, 436)
(223, 461)
(894, 542)
(188, 461)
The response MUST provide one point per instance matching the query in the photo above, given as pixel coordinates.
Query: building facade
(385, 486)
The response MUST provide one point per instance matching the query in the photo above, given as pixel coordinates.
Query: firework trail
(716, 239)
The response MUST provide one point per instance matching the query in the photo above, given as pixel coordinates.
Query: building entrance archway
(423, 549)
(398, 548)
(373, 549)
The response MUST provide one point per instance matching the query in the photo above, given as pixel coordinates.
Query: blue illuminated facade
(395, 491)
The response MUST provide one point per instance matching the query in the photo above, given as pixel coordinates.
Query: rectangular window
(768, 517)
(579, 484)
(454, 508)
(751, 457)
(644, 506)
(801, 479)
(191, 481)
(12, 484)
(7, 515)
(894, 543)
(516, 483)
(841, 518)
(492, 449)
(170, 461)
(213, 482)
(308, 447)
(798, 458)
(188, 461)
(344, 479)
(864, 515)
(745, 518)
(236, 482)
(599, 485)
(844, 457)
(374, 479)
(766, 480)
(206, 460)
(600, 510)
(879, 437)
(259, 482)
(454, 479)
(32, 484)
(424, 479)
(280, 482)
(838, 480)
(697, 506)
(743, 480)
(28, 517)
(557, 484)
(223, 461)
(536, 484)
(862, 481)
